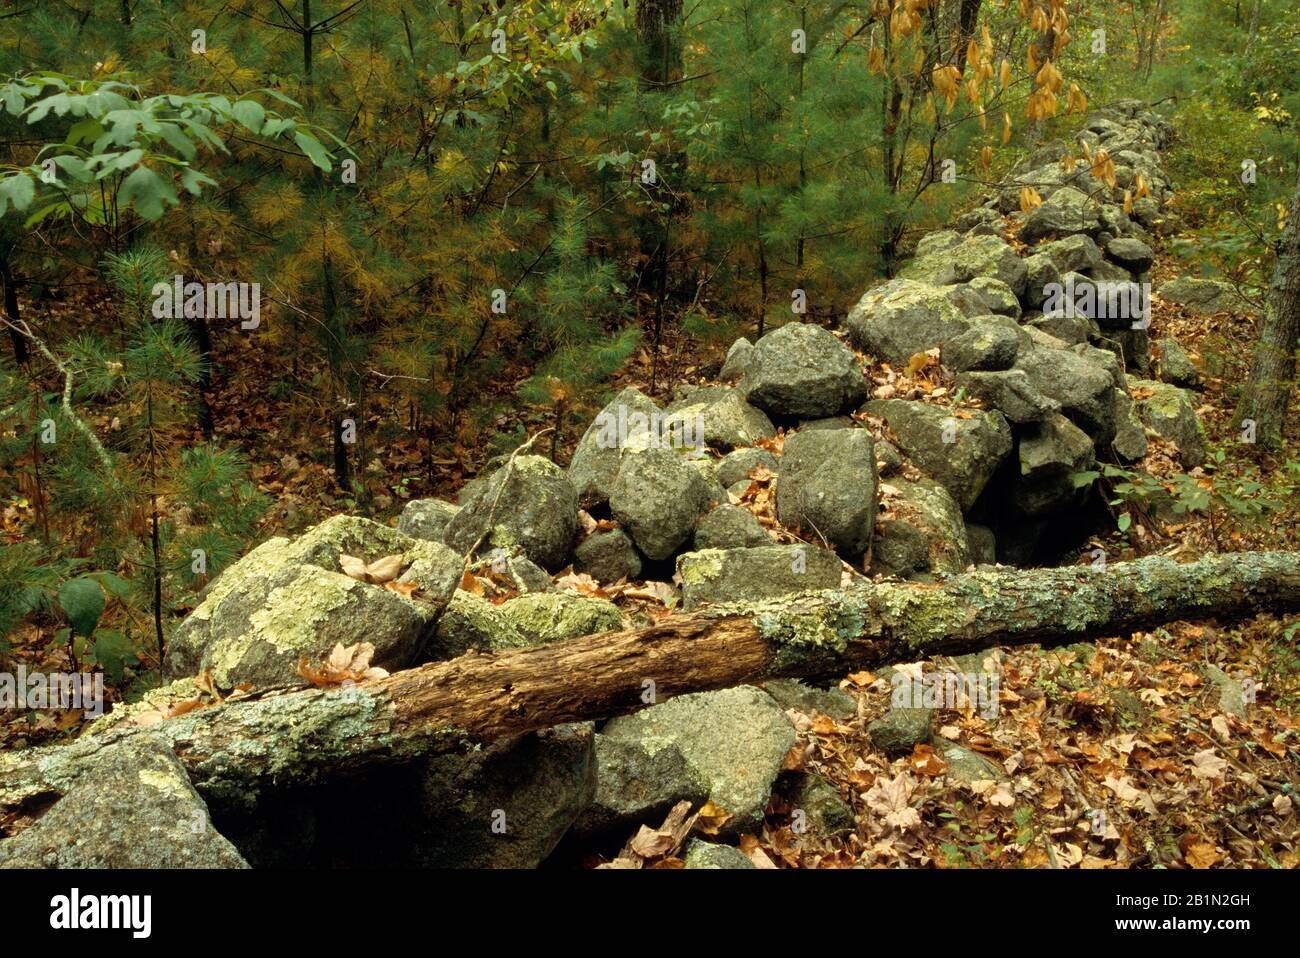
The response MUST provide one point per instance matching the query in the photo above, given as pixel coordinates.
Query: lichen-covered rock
(1169, 412)
(737, 361)
(1132, 254)
(722, 420)
(285, 600)
(999, 298)
(472, 622)
(965, 765)
(983, 544)
(607, 556)
(426, 518)
(1010, 392)
(1130, 443)
(730, 527)
(1042, 274)
(737, 465)
(961, 452)
(920, 529)
(761, 572)
(1073, 254)
(528, 506)
(988, 255)
(308, 611)
(626, 423)
(657, 499)
(1204, 295)
(818, 804)
(802, 371)
(1176, 366)
(638, 780)
(1065, 212)
(135, 809)
(902, 318)
(737, 739)
(1068, 329)
(827, 486)
(900, 730)
(1080, 385)
(555, 616)
(707, 855)
(793, 694)
(1050, 453)
(985, 348)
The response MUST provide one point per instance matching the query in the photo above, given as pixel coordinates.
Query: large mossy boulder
(426, 518)
(627, 422)
(135, 809)
(528, 506)
(959, 448)
(827, 487)
(736, 739)
(1067, 211)
(607, 556)
(638, 780)
(657, 498)
(554, 616)
(1051, 452)
(1080, 384)
(977, 256)
(720, 419)
(904, 317)
(730, 527)
(919, 530)
(286, 600)
(801, 371)
(1170, 413)
(761, 572)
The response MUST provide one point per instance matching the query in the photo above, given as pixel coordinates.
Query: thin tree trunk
(21, 353)
(1267, 392)
(231, 751)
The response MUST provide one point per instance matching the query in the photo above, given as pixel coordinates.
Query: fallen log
(232, 751)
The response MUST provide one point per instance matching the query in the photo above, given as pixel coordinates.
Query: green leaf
(148, 192)
(19, 189)
(250, 113)
(112, 651)
(82, 601)
(313, 150)
(1124, 521)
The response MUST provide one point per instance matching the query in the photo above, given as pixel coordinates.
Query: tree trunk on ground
(1267, 392)
(232, 751)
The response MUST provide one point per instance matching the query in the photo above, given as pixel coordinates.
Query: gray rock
(1130, 443)
(1169, 412)
(988, 256)
(136, 809)
(900, 730)
(737, 361)
(730, 527)
(962, 453)
(1010, 392)
(937, 242)
(997, 295)
(472, 622)
(793, 694)
(554, 616)
(985, 348)
(625, 423)
(1042, 274)
(1204, 295)
(824, 811)
(901, 318)
(761, 572)
(607, 557)
(426, 518)
(827, 486)
(1073, 254)
(1068, 329)
(720, 420)
(637, 782)
(737, 739)
(657, 498)
(738, 464)
(1050, 453)
(529, 506)
(965, 765)
(919, 530)
(1065, 212)
(1176, 366)
(536, 786)
(804, 372)
(1080, 385)
(707, 855)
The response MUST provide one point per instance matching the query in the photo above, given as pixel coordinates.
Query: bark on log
(234, 750)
